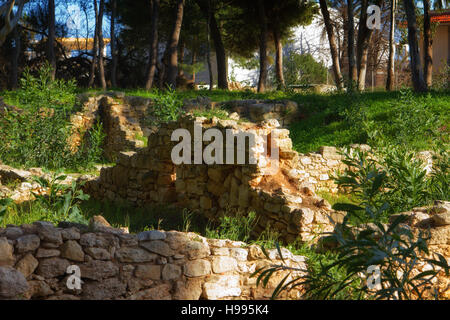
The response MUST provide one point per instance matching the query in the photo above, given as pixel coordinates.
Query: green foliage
(217, 112)
(62, 201)
(166, 106)
(94, 150)
(303, 69)
(441, 80)
(236, 227)
(40, 91)
(333, 198)
(406, 120)
(399, 174)
(247, 63)
(37, 135)
(190, 68)
(33, 140)
(393, 248)
(4, 204)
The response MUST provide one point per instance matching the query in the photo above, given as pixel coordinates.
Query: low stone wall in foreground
(34, 262)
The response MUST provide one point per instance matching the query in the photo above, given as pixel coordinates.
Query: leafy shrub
(33, 140)
(37, 135)
(303, 69)
(40, 91)
(62, 201)
(393, 249)
(395, 176)
(94, 148)
(4, 204)
(236, 227)
(166, 107)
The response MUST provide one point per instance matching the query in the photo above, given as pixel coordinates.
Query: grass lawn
(327, 119)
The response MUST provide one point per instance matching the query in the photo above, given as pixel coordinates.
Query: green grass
(333, 198)
(142, 138)
(164, 217)
(325, 120)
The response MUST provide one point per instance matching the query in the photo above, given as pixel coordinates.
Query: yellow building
(441, 40)
(80, 44)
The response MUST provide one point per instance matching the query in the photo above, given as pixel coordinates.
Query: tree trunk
(279, 61)
(391, 67)
(10, 20)
(364, 35)
(344, 49)
(172, 47)
(15, 58)
(362, 45)
(208, 51)
(94, 48)
(427, 44)
(352, 72)
(332, 41)
(182, 47)
(262, 47)
(153, 44)
(194, 61)
(416, 69)
(221, 57)
(101, 45)
(113, 45)
(51, 37)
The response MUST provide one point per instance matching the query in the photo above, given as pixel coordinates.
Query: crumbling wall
(255, 110)
(122, 117)
(283, 204)
(152, 265)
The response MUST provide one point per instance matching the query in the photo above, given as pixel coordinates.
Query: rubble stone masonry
(282, 201)
(151, 265)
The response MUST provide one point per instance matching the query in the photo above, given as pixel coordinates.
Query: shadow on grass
(137, 219)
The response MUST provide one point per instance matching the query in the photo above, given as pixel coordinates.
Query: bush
(41, 91)
(35, 140)
(37, 135)
(393, 250)
(60, 203)
(396, 172)
(166, 107)
(236, 227)
(303, 69)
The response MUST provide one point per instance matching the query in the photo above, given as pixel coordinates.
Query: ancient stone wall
(151, 265)
(282, 203)
(122, 117)
(284, 111)
(316, 169)
(123, 122)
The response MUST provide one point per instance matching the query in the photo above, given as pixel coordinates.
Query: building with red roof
(441, 40)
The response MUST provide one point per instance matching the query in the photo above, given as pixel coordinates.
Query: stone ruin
(283, 203)
(152, 265)
(175, 265)
(254, 110)
(114, 265)
(125, 118)
(122, 117)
